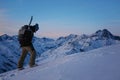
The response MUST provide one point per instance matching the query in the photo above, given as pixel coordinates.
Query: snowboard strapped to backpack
(25, 35)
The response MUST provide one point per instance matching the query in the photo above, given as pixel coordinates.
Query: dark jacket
(26, 39)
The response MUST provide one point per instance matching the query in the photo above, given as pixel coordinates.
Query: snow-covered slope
(10, 50)
(98, 64)
(82, 43)
(47, 48)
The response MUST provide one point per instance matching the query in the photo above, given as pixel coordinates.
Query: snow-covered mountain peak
(5, 37)
(47, 47)
(78, 43)
(83, 36)
(103, 34)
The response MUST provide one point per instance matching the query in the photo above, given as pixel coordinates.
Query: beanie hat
(35, 27)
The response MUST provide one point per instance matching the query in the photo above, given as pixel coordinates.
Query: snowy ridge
(47, 48)
(10, 50)
(98, 64)
(75, 43)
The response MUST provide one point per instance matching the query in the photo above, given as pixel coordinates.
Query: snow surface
(47, 48)
(99, 64)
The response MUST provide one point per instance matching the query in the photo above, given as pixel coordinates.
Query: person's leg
(32, 55)
(22, 57)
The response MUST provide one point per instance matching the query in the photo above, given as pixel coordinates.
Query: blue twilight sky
(60, 17)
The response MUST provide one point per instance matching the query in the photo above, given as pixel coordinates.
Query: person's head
(35, 27)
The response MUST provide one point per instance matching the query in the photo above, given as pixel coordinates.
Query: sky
(60, 17)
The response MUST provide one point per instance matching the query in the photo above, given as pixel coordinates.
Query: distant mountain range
(47, 47)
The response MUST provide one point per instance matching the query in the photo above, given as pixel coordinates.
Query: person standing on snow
(25, 36)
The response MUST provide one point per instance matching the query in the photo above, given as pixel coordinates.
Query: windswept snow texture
(49, 48)
(98, 64)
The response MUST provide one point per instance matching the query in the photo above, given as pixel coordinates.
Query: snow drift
(98, 64)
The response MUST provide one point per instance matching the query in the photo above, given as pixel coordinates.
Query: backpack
(25, 35)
